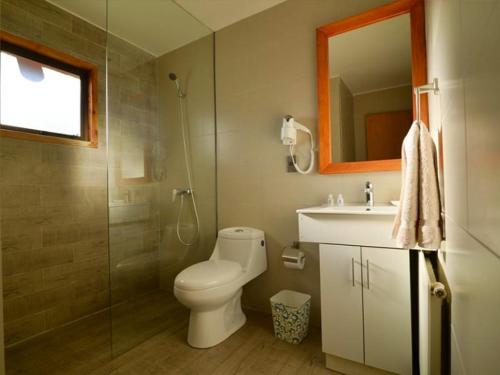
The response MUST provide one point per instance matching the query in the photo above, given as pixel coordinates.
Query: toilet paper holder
(292, 257)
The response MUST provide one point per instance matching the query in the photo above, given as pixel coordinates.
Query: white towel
(429, 217)
(405, 224)
(419, 210)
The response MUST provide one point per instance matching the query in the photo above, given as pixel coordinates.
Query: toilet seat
(208, 274)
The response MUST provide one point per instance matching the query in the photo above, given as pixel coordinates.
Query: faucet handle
(369, 185)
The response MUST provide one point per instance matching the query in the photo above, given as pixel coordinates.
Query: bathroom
(179, 107)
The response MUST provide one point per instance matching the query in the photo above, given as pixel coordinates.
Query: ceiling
(218, 14)
(160, 26)
(373, 57)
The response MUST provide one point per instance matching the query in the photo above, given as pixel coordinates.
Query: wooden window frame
(64, 62)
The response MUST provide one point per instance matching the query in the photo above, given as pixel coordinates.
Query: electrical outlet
(290, 168)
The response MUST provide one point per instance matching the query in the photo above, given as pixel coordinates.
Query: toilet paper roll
(293, 258)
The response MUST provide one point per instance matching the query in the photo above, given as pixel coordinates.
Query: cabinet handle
(367, 274)
(352, 271)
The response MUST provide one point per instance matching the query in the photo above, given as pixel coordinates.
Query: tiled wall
(53, 198)
(133, 192)
(265, 69)
(133, 135)
(462, 39)
(54, 207)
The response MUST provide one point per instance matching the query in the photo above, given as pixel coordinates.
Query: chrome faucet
(370, 201)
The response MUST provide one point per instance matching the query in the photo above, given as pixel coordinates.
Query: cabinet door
(387, 309)
(341, 301)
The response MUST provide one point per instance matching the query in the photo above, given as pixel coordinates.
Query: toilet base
(209, 328)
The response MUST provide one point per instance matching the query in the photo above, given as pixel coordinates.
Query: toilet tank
(243, 245)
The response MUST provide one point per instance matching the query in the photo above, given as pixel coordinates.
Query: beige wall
(193, 64)
(387, 100)
(265, 68)
(342, 121)
(463, 38)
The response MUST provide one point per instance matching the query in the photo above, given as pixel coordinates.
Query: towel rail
(424, 89)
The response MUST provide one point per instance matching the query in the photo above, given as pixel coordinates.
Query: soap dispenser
(330, 201)
(340, 200)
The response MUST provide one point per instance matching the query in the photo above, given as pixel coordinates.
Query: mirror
(367, 67)
(370, 90)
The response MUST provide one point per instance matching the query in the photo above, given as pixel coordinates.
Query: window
(46, 95)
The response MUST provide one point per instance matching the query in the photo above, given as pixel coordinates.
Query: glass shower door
(147, 162)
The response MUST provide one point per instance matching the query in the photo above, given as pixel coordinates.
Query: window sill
(47, 138)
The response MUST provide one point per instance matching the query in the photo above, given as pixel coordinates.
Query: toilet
(212, 289)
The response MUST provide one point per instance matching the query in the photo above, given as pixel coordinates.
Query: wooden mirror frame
(415, 8)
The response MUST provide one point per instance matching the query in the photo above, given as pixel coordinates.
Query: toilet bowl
(212, 289)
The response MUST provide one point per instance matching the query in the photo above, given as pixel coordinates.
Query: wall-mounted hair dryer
(289, 138)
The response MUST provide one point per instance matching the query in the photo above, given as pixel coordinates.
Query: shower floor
(84, 349)
(84, 346)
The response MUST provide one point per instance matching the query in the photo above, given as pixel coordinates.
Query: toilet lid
(208, 274)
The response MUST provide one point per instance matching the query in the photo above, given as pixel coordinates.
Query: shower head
(174, 78)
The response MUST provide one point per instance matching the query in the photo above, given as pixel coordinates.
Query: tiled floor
(78, 348)
(84, 348)
(252, 350)
(92, 342)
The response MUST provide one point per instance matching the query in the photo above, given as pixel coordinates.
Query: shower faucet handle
(179, 192)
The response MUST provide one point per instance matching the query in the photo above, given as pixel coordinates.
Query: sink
(351, 210)
(354, 224)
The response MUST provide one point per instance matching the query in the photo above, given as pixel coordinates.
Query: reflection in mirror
(370, 90)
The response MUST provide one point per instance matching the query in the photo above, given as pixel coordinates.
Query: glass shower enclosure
(93, 237)
(147, 163)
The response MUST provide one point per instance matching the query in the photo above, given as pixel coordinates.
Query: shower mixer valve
(179, 192)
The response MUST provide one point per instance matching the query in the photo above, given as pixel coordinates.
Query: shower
(187, 159)
(173, 77)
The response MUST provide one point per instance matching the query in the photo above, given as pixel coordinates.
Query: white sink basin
(355, 224)
(351, 210)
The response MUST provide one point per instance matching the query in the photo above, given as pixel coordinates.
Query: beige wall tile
(33, 260)
(53, 197)
(460, 37)
(21, 241)
(19, 21)
(44, 11)
(15, 196)
(481, 83)
(24, 328)
(22, 284)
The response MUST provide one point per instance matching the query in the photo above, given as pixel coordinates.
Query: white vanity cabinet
(365, 289)
(341, 301)
(365, 306)
(387, 309)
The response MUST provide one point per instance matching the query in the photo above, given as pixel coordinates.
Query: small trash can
(291, 315)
